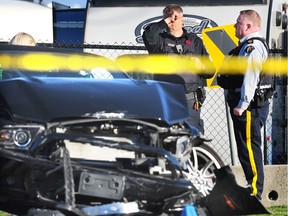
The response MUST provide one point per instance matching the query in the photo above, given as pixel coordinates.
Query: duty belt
(238, 90)
(191, 96)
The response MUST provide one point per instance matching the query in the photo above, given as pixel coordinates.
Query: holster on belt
(199, 96)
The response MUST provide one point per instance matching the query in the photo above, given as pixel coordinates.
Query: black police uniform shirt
(158, 41)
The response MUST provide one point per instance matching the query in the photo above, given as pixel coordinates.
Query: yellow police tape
(50, 62)
(199, 65)
(161, 64)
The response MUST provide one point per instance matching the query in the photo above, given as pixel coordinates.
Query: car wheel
(201, 166)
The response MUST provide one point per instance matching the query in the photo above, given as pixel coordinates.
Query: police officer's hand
(238, 111)
(171, 18)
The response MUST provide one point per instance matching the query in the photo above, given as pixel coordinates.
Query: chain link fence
(217, 122)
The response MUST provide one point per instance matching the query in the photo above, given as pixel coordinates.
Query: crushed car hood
(44, 99)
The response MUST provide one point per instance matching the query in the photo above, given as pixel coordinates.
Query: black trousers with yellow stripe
(247, 129)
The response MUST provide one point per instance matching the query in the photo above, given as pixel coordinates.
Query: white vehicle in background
(22, 16)
(122, 22)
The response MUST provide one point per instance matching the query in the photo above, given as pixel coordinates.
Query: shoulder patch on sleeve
(249, 49)
(250, 41)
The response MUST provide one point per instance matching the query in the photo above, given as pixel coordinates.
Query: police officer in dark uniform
(169, 37)
(248, 96)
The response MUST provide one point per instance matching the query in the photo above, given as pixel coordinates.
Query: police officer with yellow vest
(248, 96)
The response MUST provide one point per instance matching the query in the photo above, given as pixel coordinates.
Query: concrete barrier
(275, 186)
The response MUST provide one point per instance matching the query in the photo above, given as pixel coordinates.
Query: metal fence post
(232, 141)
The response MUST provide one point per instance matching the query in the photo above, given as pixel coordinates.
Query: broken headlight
(19, 137)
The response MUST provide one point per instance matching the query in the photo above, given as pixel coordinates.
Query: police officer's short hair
(253, 16)
(168, 10)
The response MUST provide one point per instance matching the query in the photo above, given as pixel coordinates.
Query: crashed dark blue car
(78, 136)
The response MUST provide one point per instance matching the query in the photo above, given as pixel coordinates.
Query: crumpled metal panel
(43, 99)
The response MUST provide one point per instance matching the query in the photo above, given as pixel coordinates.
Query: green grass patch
(278, 210)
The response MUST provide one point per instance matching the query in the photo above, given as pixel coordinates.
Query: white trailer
(122, 22)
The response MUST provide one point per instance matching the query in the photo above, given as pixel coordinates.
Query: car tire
(201, 166)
